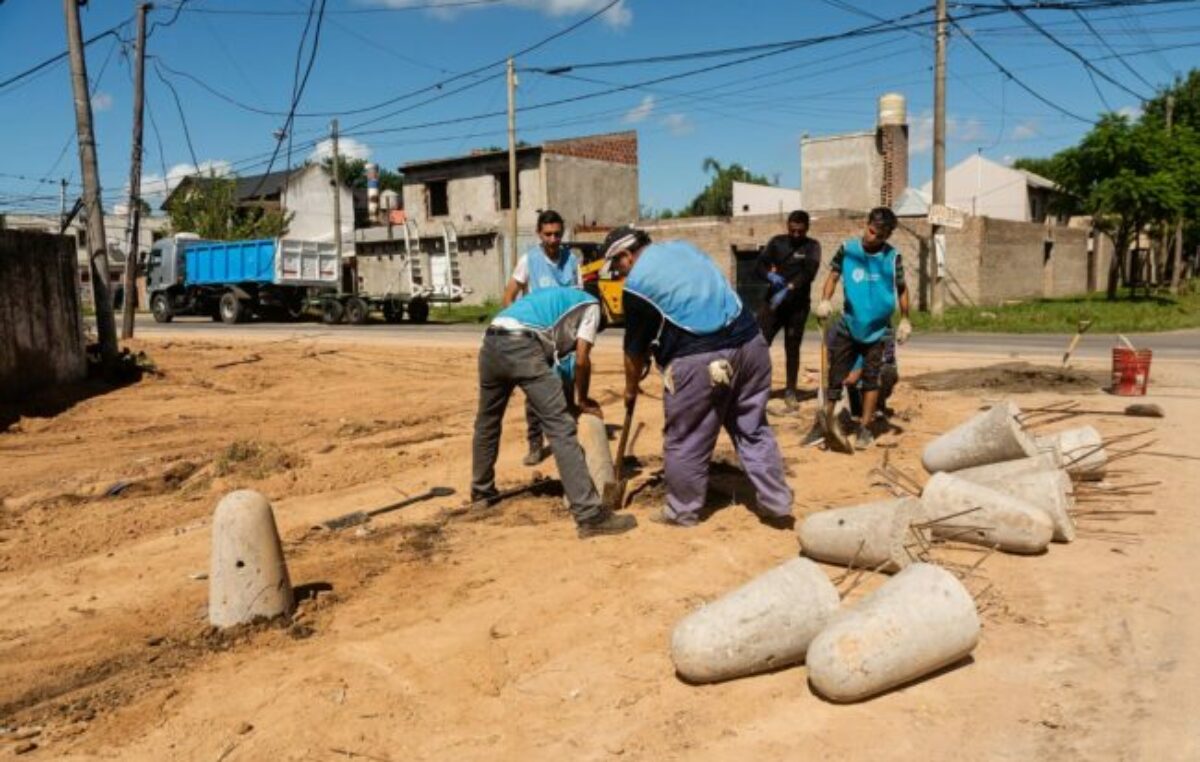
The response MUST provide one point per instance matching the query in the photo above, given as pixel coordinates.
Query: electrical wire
(345, 11)
(111, 31)
(296, 73)
(187, 135)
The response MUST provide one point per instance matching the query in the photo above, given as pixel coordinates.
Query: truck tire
(418, 311)
(160, 305)
(295, 308)
(232, 309)
(393, 311)
(331, 312)
(356, 311)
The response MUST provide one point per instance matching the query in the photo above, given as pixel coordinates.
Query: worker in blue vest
(547, 265)
(872, 274)
(522, 347)
(680, 309)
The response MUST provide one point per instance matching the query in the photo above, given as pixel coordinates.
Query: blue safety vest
(684, 284)
(546, 274)
(869, 281)
(545, 308)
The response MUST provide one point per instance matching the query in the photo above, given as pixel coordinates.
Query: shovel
(614, 491)
(362, 517)
(835, 438)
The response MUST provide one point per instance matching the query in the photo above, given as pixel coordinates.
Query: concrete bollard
(593, 437)
(1008, 523)
(1082, 452)
(989, 437)
(248, 578)
(1050, 491)
(765, 624)
(871, 536)
(1047, 460)
(917, 622)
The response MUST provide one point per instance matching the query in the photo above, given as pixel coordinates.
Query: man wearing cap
(547, 265)
(872, 275)
(522, 347)
(680, 309)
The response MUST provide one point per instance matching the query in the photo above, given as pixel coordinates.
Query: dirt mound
(1010, 377)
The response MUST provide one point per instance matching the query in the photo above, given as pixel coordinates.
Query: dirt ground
(506, 637)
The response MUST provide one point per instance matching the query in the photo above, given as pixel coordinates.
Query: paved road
(1182, 345)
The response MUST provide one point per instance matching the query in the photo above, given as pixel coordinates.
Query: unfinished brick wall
(616, 147)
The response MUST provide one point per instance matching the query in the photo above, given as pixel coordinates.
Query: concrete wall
(41, 328)
(841, 171)
(308, 196)
(472, 192)
(590, 192)
(752, 199)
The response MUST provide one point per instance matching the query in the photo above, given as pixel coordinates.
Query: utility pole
(337, 191)
(1177, 256)
(135, 175)
(937, 277)
(512, 168)
(97, 242)
(62, 201)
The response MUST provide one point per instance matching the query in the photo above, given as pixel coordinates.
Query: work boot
(790, 400)
(484, 499)
(606, 523)
(537, 453)
(864, 439)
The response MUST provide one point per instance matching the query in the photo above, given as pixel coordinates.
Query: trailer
(232, 281)
(390, 280)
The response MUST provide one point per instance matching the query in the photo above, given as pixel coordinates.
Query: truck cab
(166, 271)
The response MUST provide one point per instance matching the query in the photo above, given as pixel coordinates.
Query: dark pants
(844, 352)
(791, 316)
(533, 425)
(506, 362)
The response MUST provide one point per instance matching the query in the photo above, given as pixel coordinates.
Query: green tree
(717, 197)
(209, 208)
(353, 174)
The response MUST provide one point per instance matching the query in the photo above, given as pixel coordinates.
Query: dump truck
(232, 281)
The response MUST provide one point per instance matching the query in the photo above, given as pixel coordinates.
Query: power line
(296, 72)
(344, 11)
(187, 135)
(62, 56)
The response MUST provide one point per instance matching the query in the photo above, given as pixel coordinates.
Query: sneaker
(790, 400)
(537, 453)
(864, 439)
(606, 523)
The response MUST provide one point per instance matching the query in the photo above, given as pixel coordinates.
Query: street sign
(946, 216)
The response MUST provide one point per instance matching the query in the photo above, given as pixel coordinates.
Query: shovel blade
(613, 498)
(835, 439)
(349, 520)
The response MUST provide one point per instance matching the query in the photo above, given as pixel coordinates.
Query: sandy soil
(506, 637)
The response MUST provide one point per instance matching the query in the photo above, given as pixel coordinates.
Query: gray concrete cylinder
(1082, 452)
(1050, 491)
(989, 437)
(248, 577)
(917, 622)
(1047, 460)
(1008, 523)
(871, 536)
(593, 437)
(765, 624)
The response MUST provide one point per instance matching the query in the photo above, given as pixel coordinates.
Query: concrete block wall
(589, 192)
(41, 327)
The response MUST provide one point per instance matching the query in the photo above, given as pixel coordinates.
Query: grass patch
(249, 458)
(464, 313)
(1126, 314)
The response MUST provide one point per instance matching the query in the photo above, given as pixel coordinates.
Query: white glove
(824, 308)
(720, 373)
(903, 331)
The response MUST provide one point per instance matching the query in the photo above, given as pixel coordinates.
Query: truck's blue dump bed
(231, 262)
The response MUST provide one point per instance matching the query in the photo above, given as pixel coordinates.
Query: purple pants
(695, 413)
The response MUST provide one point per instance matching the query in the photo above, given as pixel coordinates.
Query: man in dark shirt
(680, 309)
(789, 264)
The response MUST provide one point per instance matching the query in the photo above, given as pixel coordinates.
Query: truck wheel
(393, 311)
(232, 309)
(331, 312)
(161, 307)
(418, 310)
(356, 311)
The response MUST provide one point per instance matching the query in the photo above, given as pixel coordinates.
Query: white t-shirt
(582, 322)
(520, 273)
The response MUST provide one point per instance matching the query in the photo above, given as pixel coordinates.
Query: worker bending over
(872, 274)
(522, 347)
(547, 265)
(680, 309)
(789, 264)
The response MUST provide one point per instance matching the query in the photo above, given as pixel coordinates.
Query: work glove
(776, 280)
(903, 331)
(824, 309)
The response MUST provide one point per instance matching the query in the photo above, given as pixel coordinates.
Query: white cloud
(1130, 112)
(958, 130)
(1009, 159)
(640, 112)
(617, 17)
(102, 101)
(347, 147)
(678, 124)
(1025, 130)
(155, 187)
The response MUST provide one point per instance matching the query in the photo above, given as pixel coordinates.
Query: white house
(986, 188)
(752, 198)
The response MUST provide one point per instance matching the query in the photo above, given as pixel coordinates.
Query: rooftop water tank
(892, 110)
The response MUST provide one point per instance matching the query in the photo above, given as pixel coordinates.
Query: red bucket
(1130, 371)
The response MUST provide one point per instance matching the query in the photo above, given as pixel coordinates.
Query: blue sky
(375, 50)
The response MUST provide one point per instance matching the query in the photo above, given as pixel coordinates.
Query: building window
(503, 201)
(437, 198)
